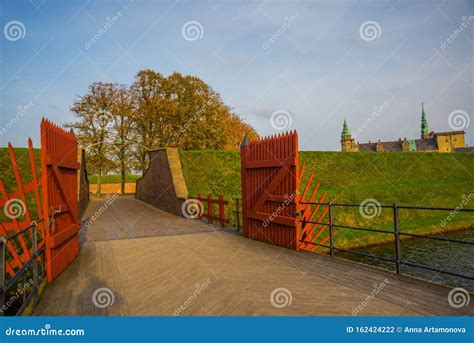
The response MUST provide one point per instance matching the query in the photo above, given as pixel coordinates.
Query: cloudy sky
(312, 63)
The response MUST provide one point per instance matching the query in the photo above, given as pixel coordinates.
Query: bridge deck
(221, 273)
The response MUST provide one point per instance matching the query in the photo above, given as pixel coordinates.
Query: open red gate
(273, 210)
(50, 202)
(59, 168)
(270, 189)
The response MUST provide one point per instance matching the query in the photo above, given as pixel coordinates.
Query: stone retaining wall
(163, 184)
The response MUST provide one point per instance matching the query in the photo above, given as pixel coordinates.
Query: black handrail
(16, 234)
(391, 206)
(31, 263)
(396, 232)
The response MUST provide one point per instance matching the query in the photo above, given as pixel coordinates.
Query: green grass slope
(6, 174)
(422, 179)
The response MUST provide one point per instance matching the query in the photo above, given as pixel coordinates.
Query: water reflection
(453, 257)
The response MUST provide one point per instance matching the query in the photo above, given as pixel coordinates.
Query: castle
(452, 141)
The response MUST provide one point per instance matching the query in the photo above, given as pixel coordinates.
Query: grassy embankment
(426, 179)
(423, 179)
(7, 175)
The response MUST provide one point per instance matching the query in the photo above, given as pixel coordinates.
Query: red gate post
(221, 210)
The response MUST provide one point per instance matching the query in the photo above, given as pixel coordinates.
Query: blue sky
(318, 67)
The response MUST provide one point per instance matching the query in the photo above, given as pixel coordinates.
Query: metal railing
(397, 260)
(238, 214)
(37, 276)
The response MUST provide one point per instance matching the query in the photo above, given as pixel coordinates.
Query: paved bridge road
(142, 261)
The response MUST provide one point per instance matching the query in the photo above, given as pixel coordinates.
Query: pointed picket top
(10, 148)
(245, 141)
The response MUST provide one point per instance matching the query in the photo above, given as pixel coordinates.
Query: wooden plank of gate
(269, 171)
(59, 150)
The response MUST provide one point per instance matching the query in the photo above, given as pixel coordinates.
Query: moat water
(453, 257)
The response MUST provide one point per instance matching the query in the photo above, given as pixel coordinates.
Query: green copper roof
(345, 130)
(424, 123)
(411, 145)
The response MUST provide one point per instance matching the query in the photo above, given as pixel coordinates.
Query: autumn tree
(123, 110)
(147, 92)
(118, 125)
(93, 128)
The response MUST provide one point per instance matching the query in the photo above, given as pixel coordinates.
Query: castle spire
(424, 123)
(345, 130)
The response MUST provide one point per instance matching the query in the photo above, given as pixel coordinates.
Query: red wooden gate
(59, 168)
(53, 207)
(270, 189)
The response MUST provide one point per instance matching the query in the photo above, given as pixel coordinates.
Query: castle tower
(347, 142)
(424, 123)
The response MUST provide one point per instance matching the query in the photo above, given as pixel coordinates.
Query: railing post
(331, 233)
(221, 210)
(396, 231)
(35, 262)
(3, 244)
